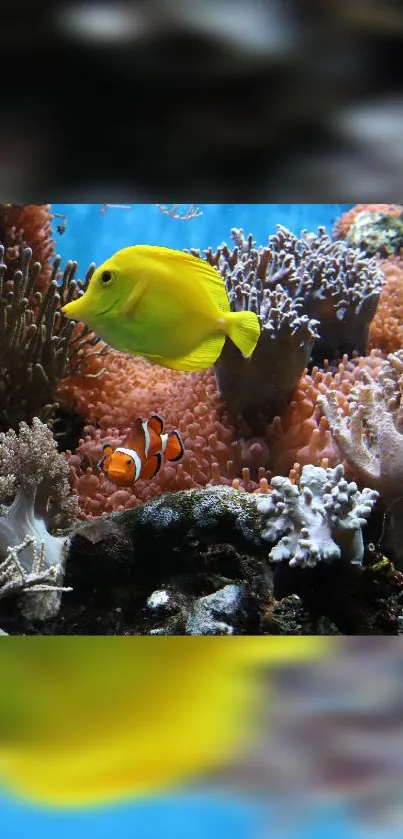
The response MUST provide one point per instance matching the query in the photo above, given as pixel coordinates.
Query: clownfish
(141, 452)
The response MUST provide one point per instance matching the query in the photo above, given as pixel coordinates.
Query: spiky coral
(37, 345)
(313, 298)
(260, 387)
(333, 284)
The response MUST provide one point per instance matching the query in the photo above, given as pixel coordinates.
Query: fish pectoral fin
(134, 298)
(151, 467)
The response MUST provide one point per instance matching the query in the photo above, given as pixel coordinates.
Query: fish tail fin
(174, 448)
(244, 330)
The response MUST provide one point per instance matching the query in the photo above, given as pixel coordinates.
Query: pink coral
(386, 330)
(132, 387)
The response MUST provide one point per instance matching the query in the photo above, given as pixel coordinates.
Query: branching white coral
(318, 521)
(370, 439)
(16, 581)
(33, 470)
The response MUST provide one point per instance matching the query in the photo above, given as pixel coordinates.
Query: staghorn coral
(32, 470)
(28, 225)
(343, 224)
(315, 300)
(318, 520)
(37, 345)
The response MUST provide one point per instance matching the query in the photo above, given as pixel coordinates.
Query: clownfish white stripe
(137, 462)
(147, 438)
(164, 440)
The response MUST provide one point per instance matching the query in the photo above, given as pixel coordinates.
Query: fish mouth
(108, 309)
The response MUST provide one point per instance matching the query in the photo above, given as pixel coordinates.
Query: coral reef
(214, 452)
(376, 234)
(344, 224)
(301, 435)
(28, 225)
(211, 571)
(370, 438)
(132, 388)
(35, 476)
(37, 345)
(228, 540)
(321, 518)
(315, 299)
(386, 330)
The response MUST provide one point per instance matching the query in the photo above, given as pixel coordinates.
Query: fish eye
(106, 277)
(128, 463)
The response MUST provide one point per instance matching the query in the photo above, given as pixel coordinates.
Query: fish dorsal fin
(198, 268)
(151, 467)
(136, 438)
(156, 424)
(107, 453)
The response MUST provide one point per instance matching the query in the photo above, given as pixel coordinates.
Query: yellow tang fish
(165, 305)
(89, 720)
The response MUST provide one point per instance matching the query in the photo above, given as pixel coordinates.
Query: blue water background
(186, 817)
(92, 236)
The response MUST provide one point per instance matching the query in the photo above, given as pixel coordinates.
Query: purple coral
(335, 284)
(259, 388)
(315, 299)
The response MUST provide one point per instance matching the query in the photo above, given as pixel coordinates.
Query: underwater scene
(201, 439)
(201, 419)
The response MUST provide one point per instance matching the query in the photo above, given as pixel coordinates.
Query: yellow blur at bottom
(86, 721)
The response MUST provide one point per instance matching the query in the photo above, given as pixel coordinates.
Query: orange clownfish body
(141, 453)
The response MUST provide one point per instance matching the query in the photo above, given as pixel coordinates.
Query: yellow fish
(165, 305)
(87, 721)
